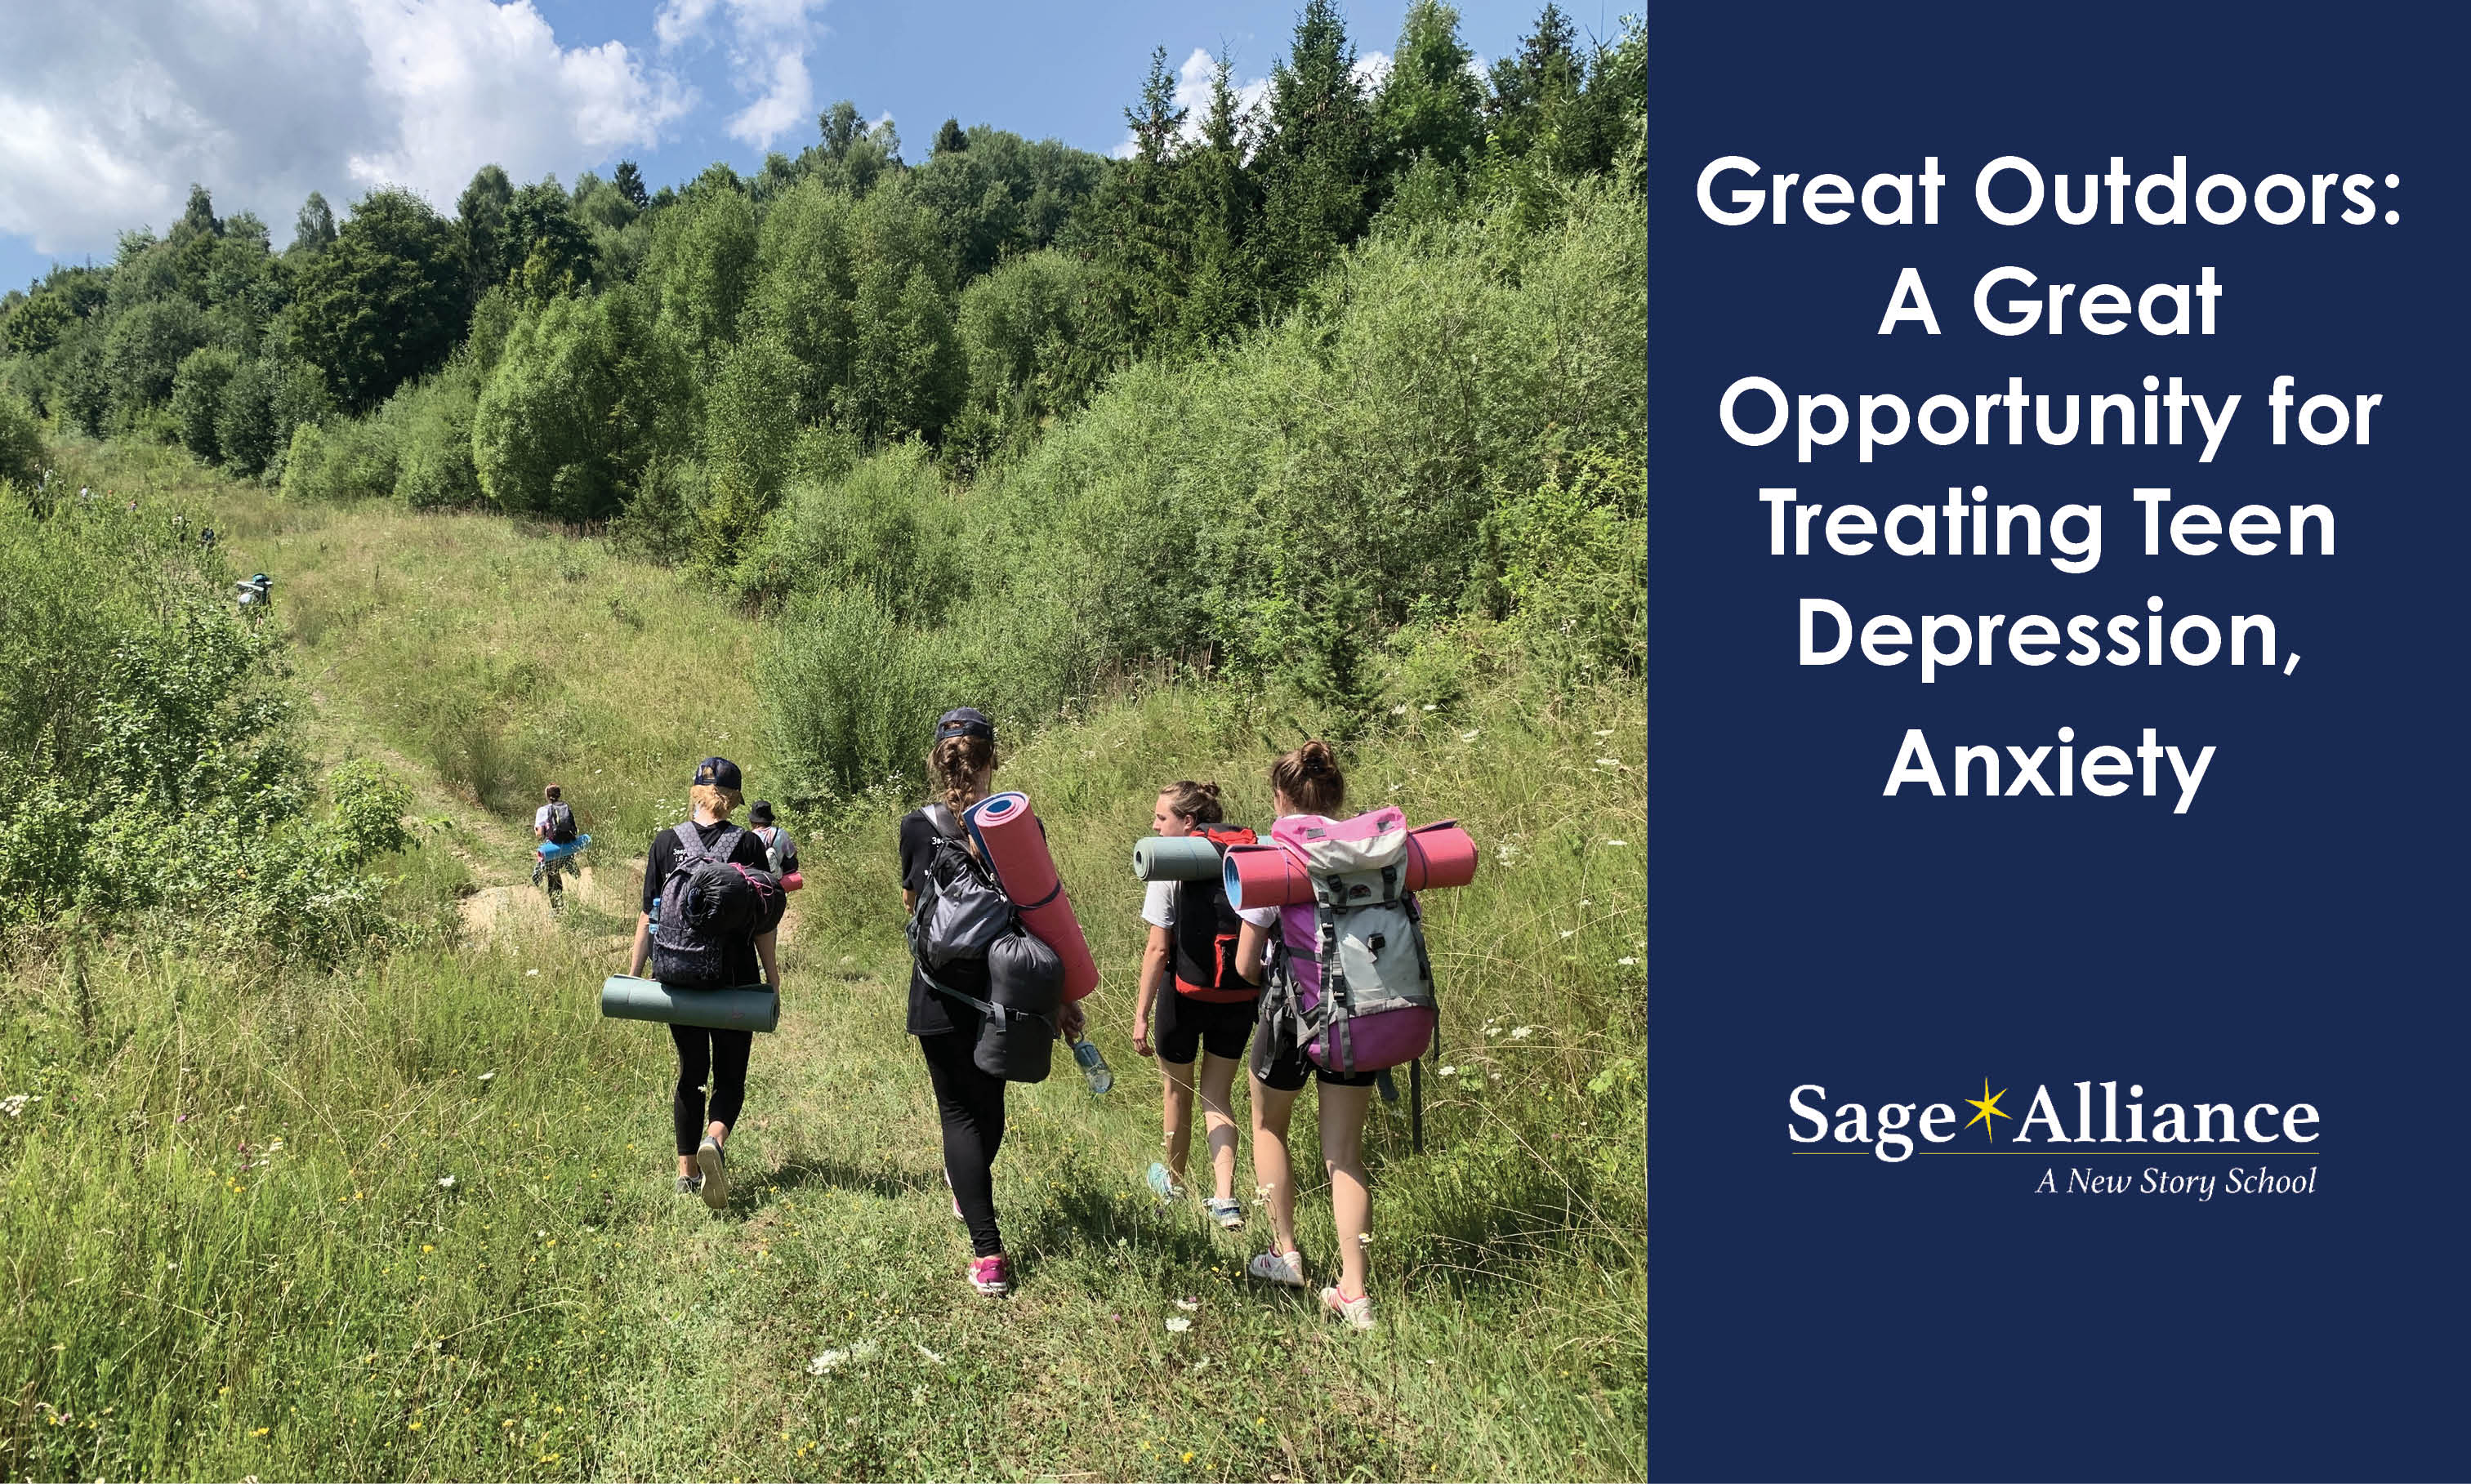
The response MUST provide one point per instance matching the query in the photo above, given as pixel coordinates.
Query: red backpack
(1205, 926)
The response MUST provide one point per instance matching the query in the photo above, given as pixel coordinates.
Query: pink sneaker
(991, 1275)
(1355, 1312)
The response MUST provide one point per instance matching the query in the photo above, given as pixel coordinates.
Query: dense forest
(1291, 388)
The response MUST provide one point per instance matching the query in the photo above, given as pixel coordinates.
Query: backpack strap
(940, 816)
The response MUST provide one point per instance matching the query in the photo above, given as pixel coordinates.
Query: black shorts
(1182, 1027)
(1279, 1060)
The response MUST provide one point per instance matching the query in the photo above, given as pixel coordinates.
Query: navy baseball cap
(964, 721)
(719, 772)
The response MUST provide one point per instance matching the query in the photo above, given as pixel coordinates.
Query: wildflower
(1470, 734)
(413, 1426)
(488, 1076)
(1399, 710)
(1627, 962)
(1178, 1325)
(1187, 1305)
(428, 1247)
(1187, 1455)
(1609, 762)
(1617, 844)
(444, 1183)
(261, 1432)
(1606, 732)
(1570, 932)
(14, 1104)
(1430, 706)
(532, 974)
(1450, 1072)
(826, 1361)
(1522, 1032)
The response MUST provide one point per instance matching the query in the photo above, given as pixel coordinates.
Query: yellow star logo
(1988, 1104)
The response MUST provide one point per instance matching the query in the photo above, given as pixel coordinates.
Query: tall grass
(164, 1248)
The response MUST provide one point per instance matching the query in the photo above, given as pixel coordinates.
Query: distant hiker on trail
(777, 843)
(939, 859)
(1304, 782)
(205, 538)
(552, 825)
(715, 955)
(1191, 1003)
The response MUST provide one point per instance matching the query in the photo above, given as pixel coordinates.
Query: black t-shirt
(930, 1014)
(741, 963)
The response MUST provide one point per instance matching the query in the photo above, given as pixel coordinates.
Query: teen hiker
(736, 957)
(1305, 782)
(777, 843)
(969, 1100)
(1191, 1003)
(552, 824)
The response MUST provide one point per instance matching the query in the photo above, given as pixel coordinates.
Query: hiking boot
(992, 1276)
(690, 1185)
(1356, 1312)
(1226, 1211)
(716, 1172)
(1162, 1185)
(1284, 1268)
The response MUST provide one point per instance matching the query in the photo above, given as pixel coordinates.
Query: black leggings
(720, 1054)
(971, 1105)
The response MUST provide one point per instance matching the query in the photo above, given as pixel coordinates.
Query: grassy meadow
(412, 1218)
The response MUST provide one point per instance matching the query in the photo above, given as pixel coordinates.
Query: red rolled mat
(1438, 854)
(1010, 839)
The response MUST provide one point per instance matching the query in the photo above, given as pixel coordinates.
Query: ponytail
(1197, 802)
(955, 764)
(1310, 779)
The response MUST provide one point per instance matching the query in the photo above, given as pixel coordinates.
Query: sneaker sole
(715, 1176)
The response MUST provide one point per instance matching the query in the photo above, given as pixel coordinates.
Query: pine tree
(1316, 158)
(951, 138)
(315, 230)
(630, 183)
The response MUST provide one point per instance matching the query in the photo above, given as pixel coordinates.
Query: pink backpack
(1353, 962)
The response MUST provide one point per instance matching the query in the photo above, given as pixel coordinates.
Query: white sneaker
(1357, 1311)
(1278, 1267)
(716, 1174)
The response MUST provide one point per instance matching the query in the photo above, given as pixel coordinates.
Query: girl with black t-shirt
(717, 1054)
(969, 1101)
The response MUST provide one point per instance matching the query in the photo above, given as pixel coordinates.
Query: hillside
(412, 1218)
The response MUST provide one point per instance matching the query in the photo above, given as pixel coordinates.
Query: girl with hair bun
(1191, 1003)
(1307, 780)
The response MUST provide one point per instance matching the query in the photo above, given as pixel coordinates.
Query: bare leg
(1272, 1171)
(1218, 1116)
(1179, 1116)
(1351, 1199)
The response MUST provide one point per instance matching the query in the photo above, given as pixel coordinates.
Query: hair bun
(1318, 760)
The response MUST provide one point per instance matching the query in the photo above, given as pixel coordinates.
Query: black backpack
(707, 903)
(963, 914)
(561, 823)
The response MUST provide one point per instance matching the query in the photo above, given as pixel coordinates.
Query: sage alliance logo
(1894, 1132)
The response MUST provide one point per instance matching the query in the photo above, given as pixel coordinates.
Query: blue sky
(116, 106)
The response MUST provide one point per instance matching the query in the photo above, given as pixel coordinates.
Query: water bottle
(1093, 1066)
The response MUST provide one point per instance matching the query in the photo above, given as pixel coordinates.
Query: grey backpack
(961, 909)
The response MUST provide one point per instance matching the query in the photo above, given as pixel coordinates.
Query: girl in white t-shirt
(1191, 1003)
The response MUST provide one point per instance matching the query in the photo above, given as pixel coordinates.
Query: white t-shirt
(1158, 907)
(540, 818)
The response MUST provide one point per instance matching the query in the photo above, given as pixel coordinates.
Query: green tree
(585, 392)
(313, 232)
(1001, 195)
(1219, 200)
(197, 399)
(143, 350)
(36, 325)
(906, 369)
(805, 285)
(1315, 157)
(481, 228)
(629, 181)
(703, 262)
(385, 303)
(1141, 232)
(751, 426)
(1430, 106)
(550, 250)
(245, 430)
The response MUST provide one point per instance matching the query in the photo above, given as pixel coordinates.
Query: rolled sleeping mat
(551, 850)
(1010, 840)
(1183, 858)
(1439, 855)
(749, 1007)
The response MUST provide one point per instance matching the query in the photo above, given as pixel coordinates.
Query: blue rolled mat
(747, 1008)
(1180, 857)
(551, 850)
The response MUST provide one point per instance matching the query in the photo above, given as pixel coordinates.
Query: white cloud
(1372, 70)
(264, 101)
(767, 43)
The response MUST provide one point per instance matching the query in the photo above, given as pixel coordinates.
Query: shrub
(21, 442)
(244, 427)
(347, 458)
(586, 391)
(434, 464)
(886, 526)
(197, 399)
